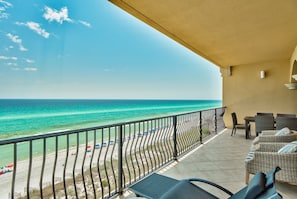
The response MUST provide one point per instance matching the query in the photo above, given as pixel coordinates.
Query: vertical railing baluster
(132, 151)
(127, 153)
(147, 147)
(200, 125)
(42, 168)
(216, 124)
(98, 165)
(174, 138)
(155, 143)
(65, 165)
(74, 164)
(160, 136)
(137, 151)
(83, 165)
(91, 162)
(120, 161)
(55, 166)
(112, 142)
(141, 147)
(29, 170)
(105, 163)
(15, 157)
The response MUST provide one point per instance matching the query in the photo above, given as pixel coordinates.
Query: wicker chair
(269, 136)
(267, 157)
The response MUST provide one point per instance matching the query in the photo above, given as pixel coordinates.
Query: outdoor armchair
(162, 187)
(268, 156)
(270, 136)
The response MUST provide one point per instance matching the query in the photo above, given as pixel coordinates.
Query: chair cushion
(283, 131)
(288, 148)
(256, 186)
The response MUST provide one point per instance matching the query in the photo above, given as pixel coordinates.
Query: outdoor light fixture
(229, 70)
(262, 74)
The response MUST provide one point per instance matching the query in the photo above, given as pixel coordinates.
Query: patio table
(247, 120)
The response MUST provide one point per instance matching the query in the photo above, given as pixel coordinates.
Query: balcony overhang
(227, 33)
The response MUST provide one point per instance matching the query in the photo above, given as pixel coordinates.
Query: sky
(92, 49)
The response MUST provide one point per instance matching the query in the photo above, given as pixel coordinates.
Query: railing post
(175, 137)
(200, 125)
(14, 170)
(216, 121)
(120, 162)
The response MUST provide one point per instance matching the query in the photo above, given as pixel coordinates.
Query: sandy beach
(22, 169)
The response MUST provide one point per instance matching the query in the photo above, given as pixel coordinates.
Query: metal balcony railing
(100, 162)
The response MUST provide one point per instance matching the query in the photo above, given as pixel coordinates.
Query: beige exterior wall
(245, 93)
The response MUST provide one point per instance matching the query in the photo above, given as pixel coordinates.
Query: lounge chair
(161, 187)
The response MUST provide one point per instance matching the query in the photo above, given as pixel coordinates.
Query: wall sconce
(229, 70)
(262, 74)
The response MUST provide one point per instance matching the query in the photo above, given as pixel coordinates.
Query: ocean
(23, 117)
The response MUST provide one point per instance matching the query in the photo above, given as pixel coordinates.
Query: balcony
(220, 160)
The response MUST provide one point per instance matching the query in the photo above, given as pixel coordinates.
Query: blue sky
(92, 49)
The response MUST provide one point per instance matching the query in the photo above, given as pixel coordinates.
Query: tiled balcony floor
(220, 160)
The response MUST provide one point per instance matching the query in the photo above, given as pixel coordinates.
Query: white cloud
(55, 15)
(3, 6)
(12, 64)
(8, 58)
(17, 40)
(29, 61)
(30, 69)
(35, 27)
(85, 23)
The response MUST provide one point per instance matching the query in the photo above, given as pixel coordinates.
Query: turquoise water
(27, 117)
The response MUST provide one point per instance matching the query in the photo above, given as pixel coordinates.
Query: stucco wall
(245, 93)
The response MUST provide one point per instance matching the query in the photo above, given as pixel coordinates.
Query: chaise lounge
(161, 187)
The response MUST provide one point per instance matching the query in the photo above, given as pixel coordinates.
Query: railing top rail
(68, 132)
